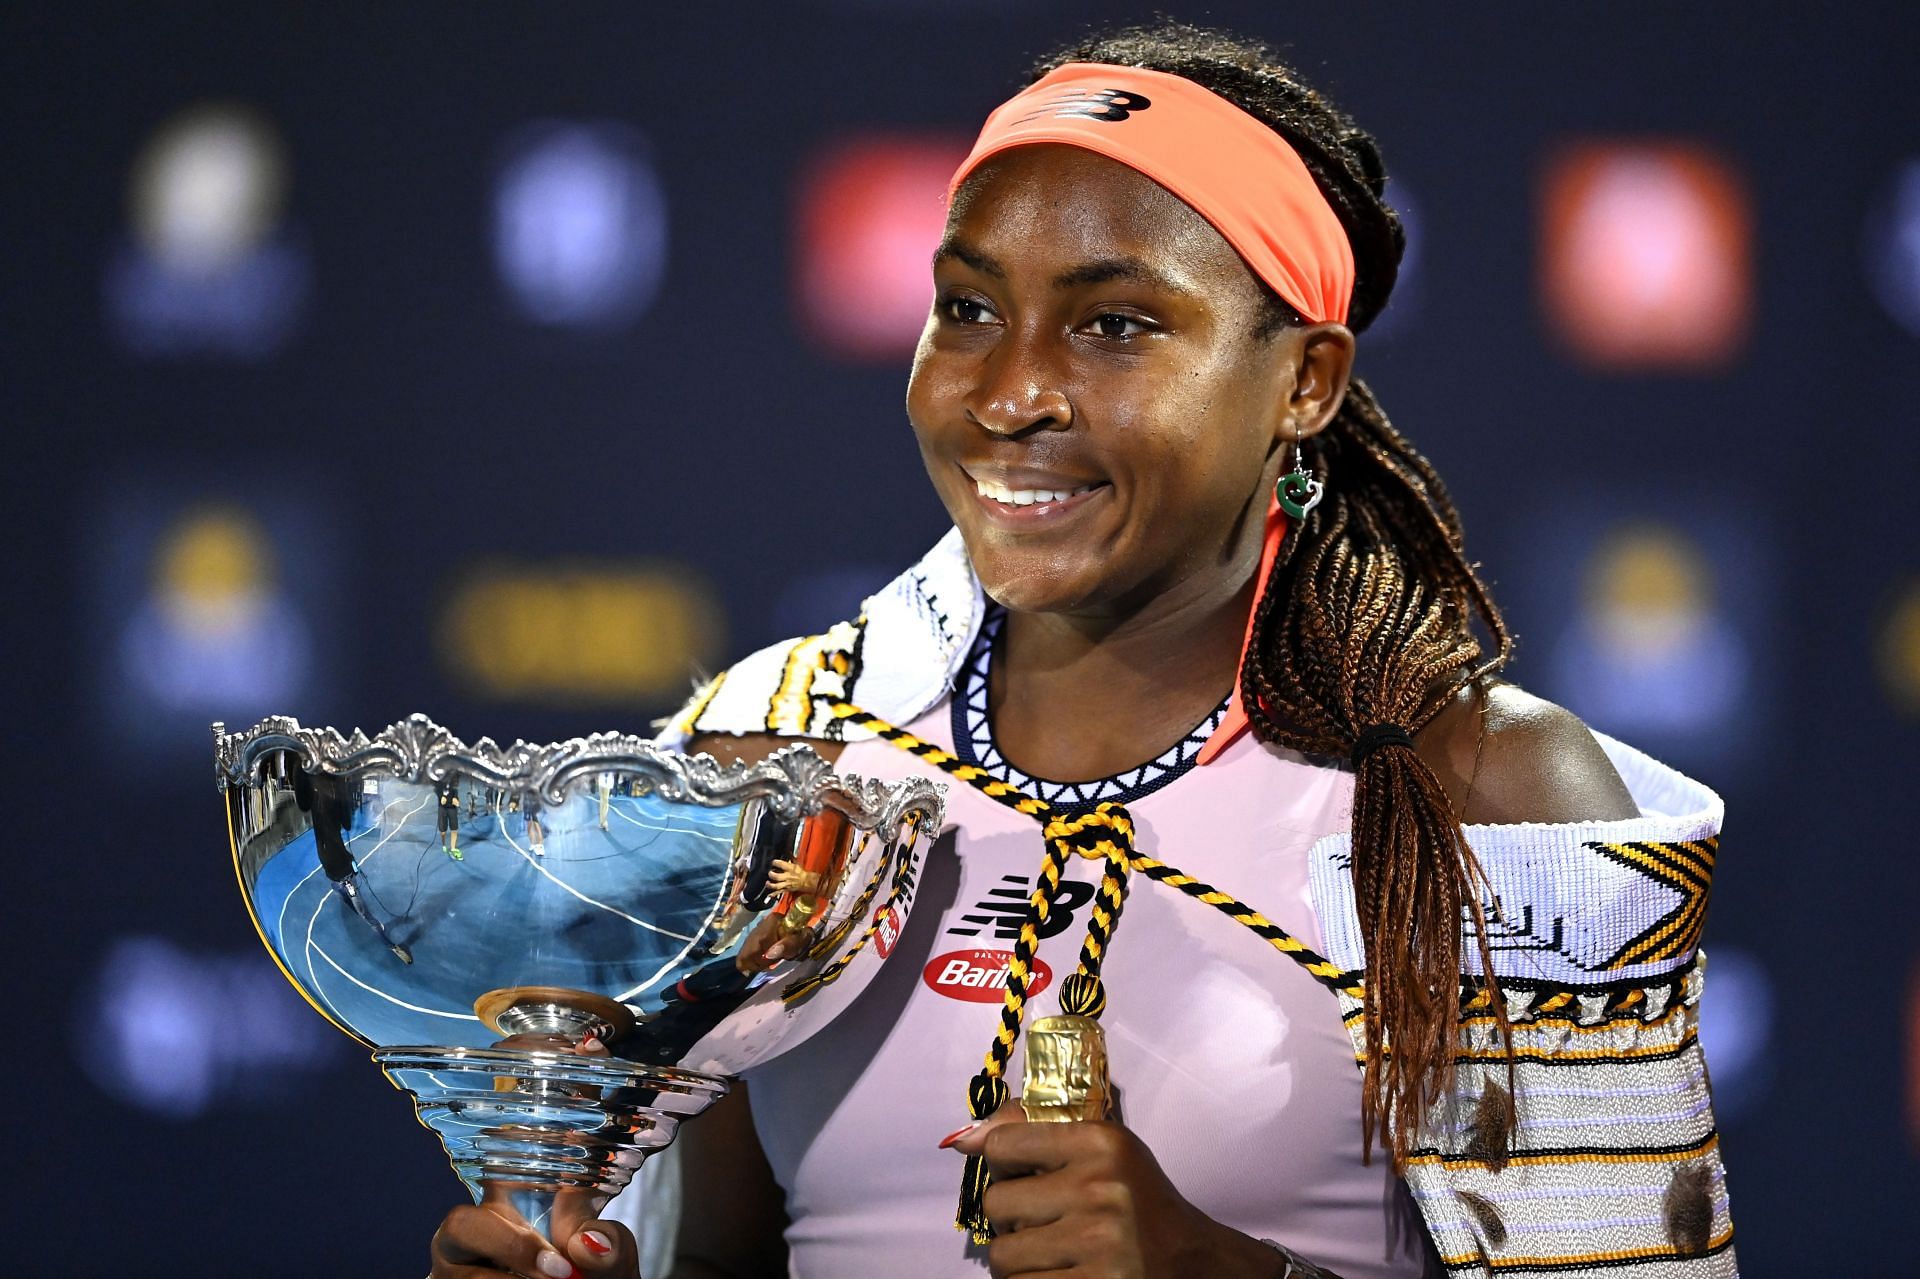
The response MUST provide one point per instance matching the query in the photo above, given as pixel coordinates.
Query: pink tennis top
(1229, 1061)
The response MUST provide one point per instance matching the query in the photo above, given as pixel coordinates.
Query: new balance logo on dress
(1004, 907)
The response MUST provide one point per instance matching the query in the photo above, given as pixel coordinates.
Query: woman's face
(1089, 395)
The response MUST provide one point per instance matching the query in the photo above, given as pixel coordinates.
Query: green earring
(1299, 490)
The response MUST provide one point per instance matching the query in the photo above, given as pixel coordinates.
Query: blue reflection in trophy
(478, 914)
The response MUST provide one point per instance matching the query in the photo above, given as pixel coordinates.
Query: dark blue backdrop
(413, 429)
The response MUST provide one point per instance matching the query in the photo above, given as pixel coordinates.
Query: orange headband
(1230, 168)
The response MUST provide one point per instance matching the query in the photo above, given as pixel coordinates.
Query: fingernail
(552, 1263)
(596, 1243)
(591, 1044)
(952, 1137)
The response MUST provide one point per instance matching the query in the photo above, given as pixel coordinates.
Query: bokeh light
(215, 630)
(1407, 301)
(871, 212)
(1651, 649)
(1899, 649)
(1645, 255)
(580, 224)
(209, 265)
(1891, 246)
(581, 634)
(177, 1033)
(1736, 1028)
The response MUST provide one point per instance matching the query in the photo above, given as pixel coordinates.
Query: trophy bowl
(562, 951)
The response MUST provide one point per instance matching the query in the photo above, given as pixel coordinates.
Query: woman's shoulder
(1505, 756)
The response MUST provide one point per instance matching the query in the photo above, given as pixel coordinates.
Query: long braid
(1368, 616)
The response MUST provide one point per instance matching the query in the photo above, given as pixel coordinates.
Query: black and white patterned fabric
(973, 739)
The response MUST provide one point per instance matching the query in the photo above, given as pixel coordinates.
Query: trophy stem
(540, 1131)
(556, 1011)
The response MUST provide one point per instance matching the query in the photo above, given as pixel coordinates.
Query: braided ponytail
(1368, 616)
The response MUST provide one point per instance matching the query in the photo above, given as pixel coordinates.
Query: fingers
(604, 1248)
(475, 1242)
(1028, 1203)
(1033, 1253)
(972, 1140)
(1019, 1149)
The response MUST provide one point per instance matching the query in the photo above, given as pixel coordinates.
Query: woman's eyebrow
(1123, 268)
(1098, 271)
(964, 252)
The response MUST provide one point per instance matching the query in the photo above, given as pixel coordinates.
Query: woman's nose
(1017, 394)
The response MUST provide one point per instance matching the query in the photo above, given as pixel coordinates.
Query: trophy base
(537, 1130)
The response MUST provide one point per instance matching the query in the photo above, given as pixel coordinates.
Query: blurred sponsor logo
(177, 1033)
(871, 213)
(1650, 649)
(1900, 649)
(209, 267)
(197, 618)
(580, 633)
(1646, 255)
(580, 224)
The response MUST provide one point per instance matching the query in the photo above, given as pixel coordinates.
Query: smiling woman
(1204, 659)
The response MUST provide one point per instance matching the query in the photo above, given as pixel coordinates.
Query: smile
(1028, 497)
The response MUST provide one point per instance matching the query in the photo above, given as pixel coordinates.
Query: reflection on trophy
(477, 914)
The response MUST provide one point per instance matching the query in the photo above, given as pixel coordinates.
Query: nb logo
(1000, 913)
(1106, 104)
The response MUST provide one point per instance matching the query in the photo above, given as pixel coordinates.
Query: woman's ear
(1323, 364)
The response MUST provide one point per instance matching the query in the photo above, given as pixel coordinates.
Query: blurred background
(494, 362)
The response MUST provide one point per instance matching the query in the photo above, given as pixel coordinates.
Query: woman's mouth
(1005, 496)
(1024, 502)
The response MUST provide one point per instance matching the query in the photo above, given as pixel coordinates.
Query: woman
(1205, 616)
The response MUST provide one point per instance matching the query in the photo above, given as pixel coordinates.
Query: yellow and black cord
(1106, 833)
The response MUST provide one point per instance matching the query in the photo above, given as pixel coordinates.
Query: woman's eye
(964, 310)
(1115, 325)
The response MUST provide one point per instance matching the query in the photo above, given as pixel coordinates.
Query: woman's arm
(732, 1212)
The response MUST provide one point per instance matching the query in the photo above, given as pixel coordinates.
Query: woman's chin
(1039, 587)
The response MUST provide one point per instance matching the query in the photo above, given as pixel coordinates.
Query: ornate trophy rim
(795, 780)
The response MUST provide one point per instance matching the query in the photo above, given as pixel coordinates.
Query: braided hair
(1368, 616)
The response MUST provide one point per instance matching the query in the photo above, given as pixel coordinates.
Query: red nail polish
(952, 1137)
(596, 1243)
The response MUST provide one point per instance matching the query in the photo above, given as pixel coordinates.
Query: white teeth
(1027, 497)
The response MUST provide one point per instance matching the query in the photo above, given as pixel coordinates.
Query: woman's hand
(489, 1240)
(1090, 1198)
(478, 1242)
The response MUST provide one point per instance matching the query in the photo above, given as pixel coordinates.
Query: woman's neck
(1077, 697)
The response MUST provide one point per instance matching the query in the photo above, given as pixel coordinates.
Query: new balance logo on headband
(1102, 104)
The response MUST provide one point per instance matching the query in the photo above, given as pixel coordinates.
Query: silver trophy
(474, 913)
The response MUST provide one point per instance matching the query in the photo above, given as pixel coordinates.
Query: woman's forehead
(1057, 204)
